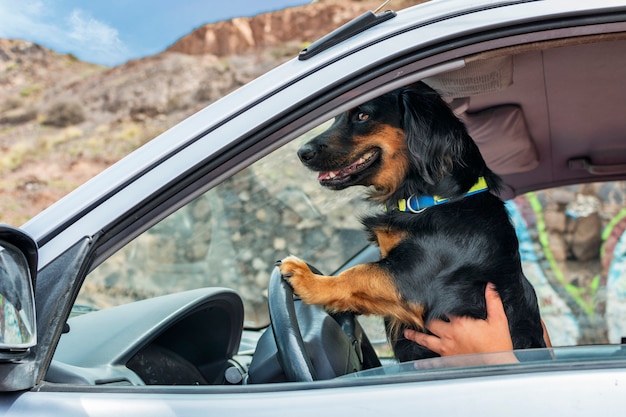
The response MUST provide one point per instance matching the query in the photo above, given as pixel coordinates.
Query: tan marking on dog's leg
(365, 289)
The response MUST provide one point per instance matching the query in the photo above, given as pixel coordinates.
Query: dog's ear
(435, 137)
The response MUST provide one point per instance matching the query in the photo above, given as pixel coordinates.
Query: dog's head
(364, 146)
(405, 142)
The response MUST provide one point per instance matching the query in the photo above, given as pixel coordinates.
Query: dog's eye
(362, 116)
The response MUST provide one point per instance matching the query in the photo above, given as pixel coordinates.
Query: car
(151, 289)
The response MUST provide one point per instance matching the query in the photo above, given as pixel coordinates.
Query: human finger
(495, 308)
(431, 342)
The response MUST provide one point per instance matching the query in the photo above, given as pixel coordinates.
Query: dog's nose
(307, 152)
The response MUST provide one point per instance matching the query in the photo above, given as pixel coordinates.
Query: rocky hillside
(63, 120)
(300, 24)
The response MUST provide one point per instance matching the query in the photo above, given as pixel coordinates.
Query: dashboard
(187, 338)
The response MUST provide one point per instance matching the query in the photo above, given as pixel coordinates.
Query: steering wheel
(293, 356)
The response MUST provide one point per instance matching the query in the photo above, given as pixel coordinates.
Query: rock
(587, 238)
(18, 116)
(583, 206)
(563, 196)
(555, 220)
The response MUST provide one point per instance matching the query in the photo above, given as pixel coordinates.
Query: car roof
(568, 95)
(538, 81)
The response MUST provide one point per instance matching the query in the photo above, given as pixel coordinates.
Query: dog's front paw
(293, 268)
(295, 271)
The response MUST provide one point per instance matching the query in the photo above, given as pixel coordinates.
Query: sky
(111, 32)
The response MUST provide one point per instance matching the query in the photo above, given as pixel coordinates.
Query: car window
(233, 234)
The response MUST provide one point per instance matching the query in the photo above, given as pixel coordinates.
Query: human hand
(465, 335)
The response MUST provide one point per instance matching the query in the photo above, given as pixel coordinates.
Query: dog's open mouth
(340, 176)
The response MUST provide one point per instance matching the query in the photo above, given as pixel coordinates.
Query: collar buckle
(409, 205)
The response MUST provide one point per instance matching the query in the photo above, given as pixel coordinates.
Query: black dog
(443, 233)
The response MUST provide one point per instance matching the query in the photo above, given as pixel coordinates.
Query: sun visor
(477, 77)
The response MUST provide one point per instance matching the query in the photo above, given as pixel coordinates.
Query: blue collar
(418, 203)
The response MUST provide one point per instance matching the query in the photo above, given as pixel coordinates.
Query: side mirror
(18, 270)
